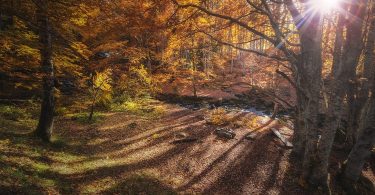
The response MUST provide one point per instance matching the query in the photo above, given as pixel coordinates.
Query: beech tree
(341, 84)
(365, 138)
(56, 46)
(304, 55)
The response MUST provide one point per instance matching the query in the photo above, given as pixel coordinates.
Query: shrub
(218, 117)
(13, 113)
(139, 107)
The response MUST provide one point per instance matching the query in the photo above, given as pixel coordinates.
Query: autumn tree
(56, 40)
(301, 46)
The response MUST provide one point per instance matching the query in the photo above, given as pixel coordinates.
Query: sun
(325, 6)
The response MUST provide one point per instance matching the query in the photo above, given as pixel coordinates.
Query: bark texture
(45, 125)
(339, 42)
(366, 139)
(366, 133)
(338, 88)
(309, 77)
(364, 84)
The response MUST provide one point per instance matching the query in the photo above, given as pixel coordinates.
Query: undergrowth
(141, 107)
(218, 117)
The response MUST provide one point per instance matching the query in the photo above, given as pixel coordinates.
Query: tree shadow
(214, 164)
(235, 178)
(165, 161)
(141, 185)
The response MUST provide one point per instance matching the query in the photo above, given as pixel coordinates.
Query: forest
(187, 97)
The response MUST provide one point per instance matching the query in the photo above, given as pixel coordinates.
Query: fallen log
(282, 138)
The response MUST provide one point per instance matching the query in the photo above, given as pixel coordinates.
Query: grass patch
(58, 142)
(83, 118)
(27, 165)
(14, 113)
(18, 118)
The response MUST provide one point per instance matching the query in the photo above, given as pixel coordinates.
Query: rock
(225, 133)
(132, 125)
(251, 136)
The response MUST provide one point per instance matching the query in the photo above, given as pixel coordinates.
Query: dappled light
(155, 97)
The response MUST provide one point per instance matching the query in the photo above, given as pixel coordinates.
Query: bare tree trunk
(366, 139)
(365, 82)
(339, 42)
(308, 80)
(369, 67)
(352, 51)
(45, 125)
(149, 63)
(299, 136)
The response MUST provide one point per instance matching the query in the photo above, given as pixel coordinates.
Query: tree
(45, 125)
(307, 64)
(366, 131)
(362, 84)
(339, 86)
(56, 41)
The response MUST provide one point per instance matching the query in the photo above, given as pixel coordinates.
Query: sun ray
(325, 6)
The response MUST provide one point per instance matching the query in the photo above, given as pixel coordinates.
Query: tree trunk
(338, 87)
(92, 111)
(308, 81)
(366, 139)
(365, 83)
(299, 136)
(194, 81)
(339, 42)
(45, 125)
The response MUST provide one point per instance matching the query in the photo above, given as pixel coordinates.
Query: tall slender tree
(45, 125)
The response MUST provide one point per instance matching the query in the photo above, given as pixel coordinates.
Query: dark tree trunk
(194, 81)
(45, 125)
(365, 142)
(92, 109)
(365, 83)
(308, 75)
(299, 136)
(309, 79)
(366, 139)
(338, 88)
(339, 42)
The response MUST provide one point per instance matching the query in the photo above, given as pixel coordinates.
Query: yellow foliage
(102, 88)
(218, 117)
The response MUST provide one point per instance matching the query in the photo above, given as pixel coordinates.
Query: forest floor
(134, 153)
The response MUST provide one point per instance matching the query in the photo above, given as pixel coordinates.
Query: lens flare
(325, 6)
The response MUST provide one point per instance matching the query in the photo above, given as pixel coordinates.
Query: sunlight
(325, 6)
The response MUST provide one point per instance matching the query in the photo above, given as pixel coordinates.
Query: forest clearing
(187, 97)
